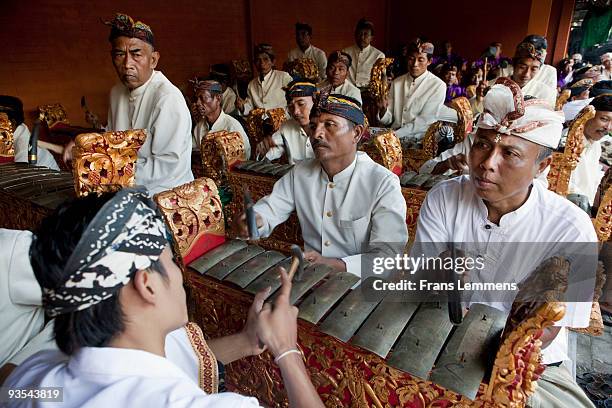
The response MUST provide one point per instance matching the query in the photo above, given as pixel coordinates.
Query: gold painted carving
(7, 140)
(379, 87)
(564, 163)
(303, 68)
(52, 114)
(465, 118)
(603, 219)
(562, 99)
(385, 149)
(106, 161)
(241, 70)
(219, 151)
(415, 158)
(255, 123)
(192, 210)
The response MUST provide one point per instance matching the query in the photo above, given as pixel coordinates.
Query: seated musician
(266, 89)
(221, 74)
(448, 73)
(547, 74)
(455, 159)
(588, 172)
(363, 54)
(109, 281)
(304, 49)
(415, 97)
(527, 62)
(338, 66)
(292, 137)
(579, 98)
(208, 103)
(13, 107)
(146, 99)
(499, 202)
(344, 200)
(24, 331)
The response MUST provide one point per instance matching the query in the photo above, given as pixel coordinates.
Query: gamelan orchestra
(219, 247)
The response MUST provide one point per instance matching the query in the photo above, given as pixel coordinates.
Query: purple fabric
(454, 91)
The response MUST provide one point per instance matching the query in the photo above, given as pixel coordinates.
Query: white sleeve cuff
(353, 264)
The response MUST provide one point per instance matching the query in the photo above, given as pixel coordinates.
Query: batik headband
(340, 56)
(299, 88)
(343, 106)
(126, 235)
(528, 50)
(205, 85)
(124, 26)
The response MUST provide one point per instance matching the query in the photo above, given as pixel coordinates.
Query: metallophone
(360, 352)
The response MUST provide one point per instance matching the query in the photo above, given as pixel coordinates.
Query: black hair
(538, 41)
(601, 88)
(52, 246)
(364, 24)
(13, 107)
(602, 103)
(303, 27)
(544, 153)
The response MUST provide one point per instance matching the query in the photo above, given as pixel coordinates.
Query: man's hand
(382, 107)
(239, 104)
(455, 163)
(277, 326)
(240, 228)
(264, 146)
(67, 155)
(250, 328)
(317, 259)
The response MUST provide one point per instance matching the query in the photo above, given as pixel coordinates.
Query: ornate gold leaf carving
(7, 141)
(303, 68)
(53, 114)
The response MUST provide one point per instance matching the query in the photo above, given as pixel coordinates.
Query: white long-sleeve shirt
(21, 139)
(362, 206)
(223, 122)
(414, 104)
(164, 160)
(346, 89)
(116, 377)
(292, 140)
(452, 212)
(362, 63)
(541, 90)
(312, 52)
(267, 94)
(587, 175)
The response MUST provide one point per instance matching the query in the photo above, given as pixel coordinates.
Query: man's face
(498, 50)
(363, 37)
(333, 137)
(607, 64)
(302, 38)
(173, 300)
(524, 70)
(599, 126)
(417, 63)
(207, 103)
(263, 63)
(448, 47)
(336, 73)
(451, 77)
(134, 61)
(299, 109)
(504, 170)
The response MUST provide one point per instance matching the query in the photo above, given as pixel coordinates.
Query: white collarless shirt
(452, 212)
(267, 94)
(228, 100)
(588, 172)
(223, 122)
(346, 89)
(362, 63)
(21, 140)
(114, 377)
(164, 160)
(414, 104)
(292, 140)
(362, 206)
(312, 52)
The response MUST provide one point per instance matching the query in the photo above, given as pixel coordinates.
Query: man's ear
(154, 59)
(358, 132)
(145, 285)
(544, 164)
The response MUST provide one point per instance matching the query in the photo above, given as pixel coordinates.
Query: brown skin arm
(5, 371)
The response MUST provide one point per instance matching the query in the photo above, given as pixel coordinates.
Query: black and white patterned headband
(126, 235)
